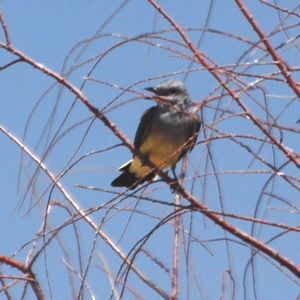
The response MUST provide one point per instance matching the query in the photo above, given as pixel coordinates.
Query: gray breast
(174, 124)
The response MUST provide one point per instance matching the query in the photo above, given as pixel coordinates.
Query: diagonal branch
(84, 215)
(27, 271)
(278, 60)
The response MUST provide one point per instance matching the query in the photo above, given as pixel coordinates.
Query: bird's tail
(127, 179)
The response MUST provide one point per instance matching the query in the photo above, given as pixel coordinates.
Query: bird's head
(171, 91)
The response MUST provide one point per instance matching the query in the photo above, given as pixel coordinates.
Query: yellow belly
(158, 148)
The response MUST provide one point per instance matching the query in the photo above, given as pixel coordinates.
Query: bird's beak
(158, 98)
(151, 89)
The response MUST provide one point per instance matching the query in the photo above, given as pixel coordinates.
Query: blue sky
(228, 175)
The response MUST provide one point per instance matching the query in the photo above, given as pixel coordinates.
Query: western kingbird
(162, 130)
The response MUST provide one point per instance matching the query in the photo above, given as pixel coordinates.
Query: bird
(162, 130)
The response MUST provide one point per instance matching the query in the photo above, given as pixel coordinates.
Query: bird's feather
(144, 126)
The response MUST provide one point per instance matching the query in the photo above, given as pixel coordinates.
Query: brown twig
(175, 275)
(28, 272)
(279, 61)
(2, 21)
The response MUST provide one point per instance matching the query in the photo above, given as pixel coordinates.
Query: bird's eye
(173, 90)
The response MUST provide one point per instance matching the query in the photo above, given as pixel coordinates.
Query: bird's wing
(194, 131)
(144, 126)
